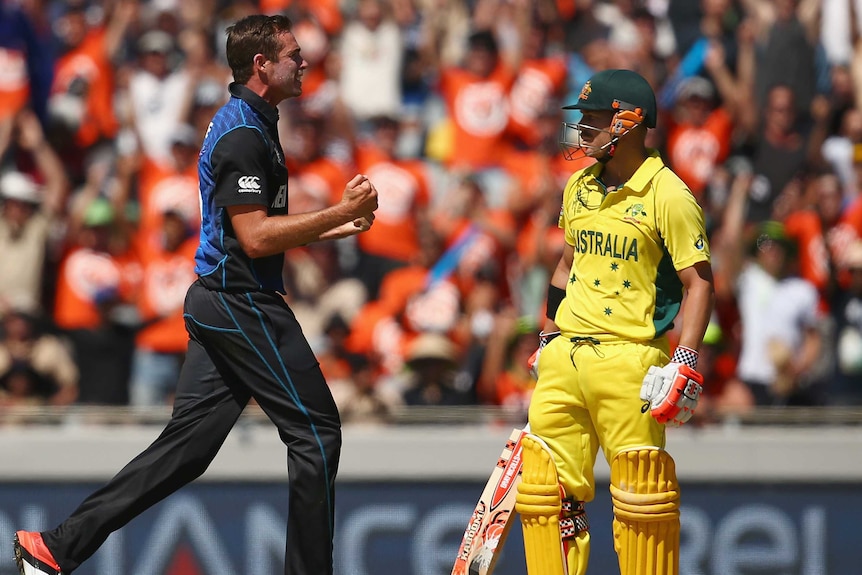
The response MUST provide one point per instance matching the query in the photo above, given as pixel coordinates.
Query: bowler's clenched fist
(360, 195)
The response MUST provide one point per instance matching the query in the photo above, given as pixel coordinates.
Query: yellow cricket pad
(645, 496)
(539, 503)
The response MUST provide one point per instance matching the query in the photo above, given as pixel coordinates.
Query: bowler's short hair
(255, 34)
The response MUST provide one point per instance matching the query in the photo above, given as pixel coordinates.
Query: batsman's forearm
(696, 313)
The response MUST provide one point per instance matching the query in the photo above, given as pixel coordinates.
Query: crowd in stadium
(453, 109)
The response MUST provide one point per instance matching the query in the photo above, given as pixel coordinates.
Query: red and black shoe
(33, 556)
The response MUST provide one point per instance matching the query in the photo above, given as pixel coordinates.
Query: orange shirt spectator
(315, 179)
(86, 72)
(515, 387)
(164, 187)
(477, 99)
(87, 280)
(407, 305)
(824, 233)
(699, 137)
(326, 12)
(476, 237)
(26, 66)
(167, 275)
(536, 174)
(14, 81)
(540, 81)
(403, 189)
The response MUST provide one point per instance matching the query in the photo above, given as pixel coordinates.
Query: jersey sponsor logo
(281, 198)
(607, 245)
(699, 243)
(248, 184)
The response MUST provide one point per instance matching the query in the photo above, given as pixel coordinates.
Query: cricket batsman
(635, 243)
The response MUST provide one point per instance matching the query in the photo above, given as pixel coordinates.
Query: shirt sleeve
(680, 222)
(565, 213)
(241, 166)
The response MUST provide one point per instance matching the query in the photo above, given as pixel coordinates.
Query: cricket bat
(491, 520)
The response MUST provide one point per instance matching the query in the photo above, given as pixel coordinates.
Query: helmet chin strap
(611, 150)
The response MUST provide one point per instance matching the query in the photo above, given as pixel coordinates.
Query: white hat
(157, 41)
(432, 346)
(696, 87)
(21, 187)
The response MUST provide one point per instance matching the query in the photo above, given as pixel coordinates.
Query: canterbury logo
(249, 184)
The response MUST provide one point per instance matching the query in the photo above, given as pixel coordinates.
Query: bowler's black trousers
(242, 345)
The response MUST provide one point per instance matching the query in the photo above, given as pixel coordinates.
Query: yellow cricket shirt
(628, 245)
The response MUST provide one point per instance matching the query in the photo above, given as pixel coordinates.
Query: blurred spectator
(402, 186)
(538, 83)
(316, 171)
(316, 49)
(372, 53)
(780, 338)
(414, 299)
(352, 377)
(846, 386)
(840, 151)
(167, 269)
(35, 368)
(92, 306)
(160, 95)
(475, 235)
(840, 22)
(539, 247)
(787, 35)
(326, 12)
(699, 138)
(30, 216)
(779, 153)
(506, 378)
(81, 106)
(169, 185)
(539, 170)
(821, 234)
(432, 375)
(476, 97)
(26, 65)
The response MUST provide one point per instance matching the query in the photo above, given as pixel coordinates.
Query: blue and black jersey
(241, 162)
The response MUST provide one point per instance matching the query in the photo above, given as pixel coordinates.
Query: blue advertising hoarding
(410, 528)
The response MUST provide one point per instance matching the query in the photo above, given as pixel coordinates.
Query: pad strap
(573, 518)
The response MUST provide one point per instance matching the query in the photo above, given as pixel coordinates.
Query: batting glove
(533, 362)
(671, 392)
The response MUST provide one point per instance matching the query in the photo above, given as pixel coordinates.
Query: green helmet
(618, 90)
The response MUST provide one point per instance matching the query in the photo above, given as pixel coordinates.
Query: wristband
(555, 298)
(685, 355)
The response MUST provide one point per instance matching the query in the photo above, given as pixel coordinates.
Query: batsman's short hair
(255, 34)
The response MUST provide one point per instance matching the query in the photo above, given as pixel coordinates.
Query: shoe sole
(19, 558)
(22, 565)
